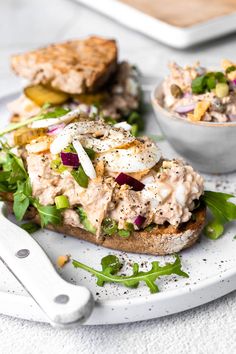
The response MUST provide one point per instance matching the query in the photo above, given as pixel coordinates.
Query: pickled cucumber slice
(41, 95)
(24, 136)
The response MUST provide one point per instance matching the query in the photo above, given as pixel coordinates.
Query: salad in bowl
(199, 94)
(196, 109)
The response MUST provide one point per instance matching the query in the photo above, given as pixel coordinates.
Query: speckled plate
(211, 266)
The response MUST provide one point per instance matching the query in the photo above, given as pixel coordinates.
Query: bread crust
(75, 67)
(160, 241)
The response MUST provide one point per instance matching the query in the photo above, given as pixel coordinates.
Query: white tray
(172, 35)
(210, 264)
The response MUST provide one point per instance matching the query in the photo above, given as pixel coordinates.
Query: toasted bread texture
(161, 240)
(75, 67)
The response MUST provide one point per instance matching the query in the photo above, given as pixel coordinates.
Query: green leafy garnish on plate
(30, 227)
(111, 265)
(49, 214)
(22, 198)
(222, 211)
(14, 179)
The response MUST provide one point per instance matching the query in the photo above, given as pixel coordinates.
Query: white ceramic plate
(172, 35)
(211, 266)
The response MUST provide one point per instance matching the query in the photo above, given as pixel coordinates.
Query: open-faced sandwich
(81, 176)
(79, 73)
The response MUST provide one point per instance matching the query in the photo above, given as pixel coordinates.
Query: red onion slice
(139, 221)
(56, 129)
(122, 178)
(69, 159)
(187, 95)
(185, 109)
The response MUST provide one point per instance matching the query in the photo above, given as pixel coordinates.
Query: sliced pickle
(24, 136)
(91, 98)
(41, 95)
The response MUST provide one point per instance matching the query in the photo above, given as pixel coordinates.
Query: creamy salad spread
(123, 98)
(199, 94)
(104, 172)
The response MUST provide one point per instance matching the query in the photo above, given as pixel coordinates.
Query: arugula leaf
(49, 214)
(85, 221)
(112, 262)
(222, 210)
(230, 69)
(14, 178)
(22, 198)
(136, 119)
(55, 113)
(13, 168)
(30, 227)
(207, 82)
(199, 84)
(111, 265)
(110, 120)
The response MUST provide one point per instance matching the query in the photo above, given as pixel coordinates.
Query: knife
(63, 303)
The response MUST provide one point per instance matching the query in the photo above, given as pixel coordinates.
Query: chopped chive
(62, 202)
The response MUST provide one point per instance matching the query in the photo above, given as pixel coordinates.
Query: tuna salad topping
(200, 94)
(102, 178)
(120, 99)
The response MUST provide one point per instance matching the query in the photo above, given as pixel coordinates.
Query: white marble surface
(211, 328)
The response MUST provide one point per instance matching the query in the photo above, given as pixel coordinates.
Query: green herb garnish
(22, 198)
(230, 69)
(14, 178)
(207, 82)
(126, 232)
(109, 226)
(91, 153)
(62, 202)
(43, 114)
(136, 118)
(134, 129)
(222, 210)
(30, 227)
(80, 177)
(111, 265)
(85, 221)
(109, 120)
(150, 227)
(49, 214)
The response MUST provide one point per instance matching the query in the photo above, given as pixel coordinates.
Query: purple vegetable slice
(70, 159)
(123, 178)
(139, 221)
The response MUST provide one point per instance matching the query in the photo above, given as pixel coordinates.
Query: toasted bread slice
(159, 241)
(74, 67)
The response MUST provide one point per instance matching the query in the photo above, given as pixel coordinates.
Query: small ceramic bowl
(209, 147)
